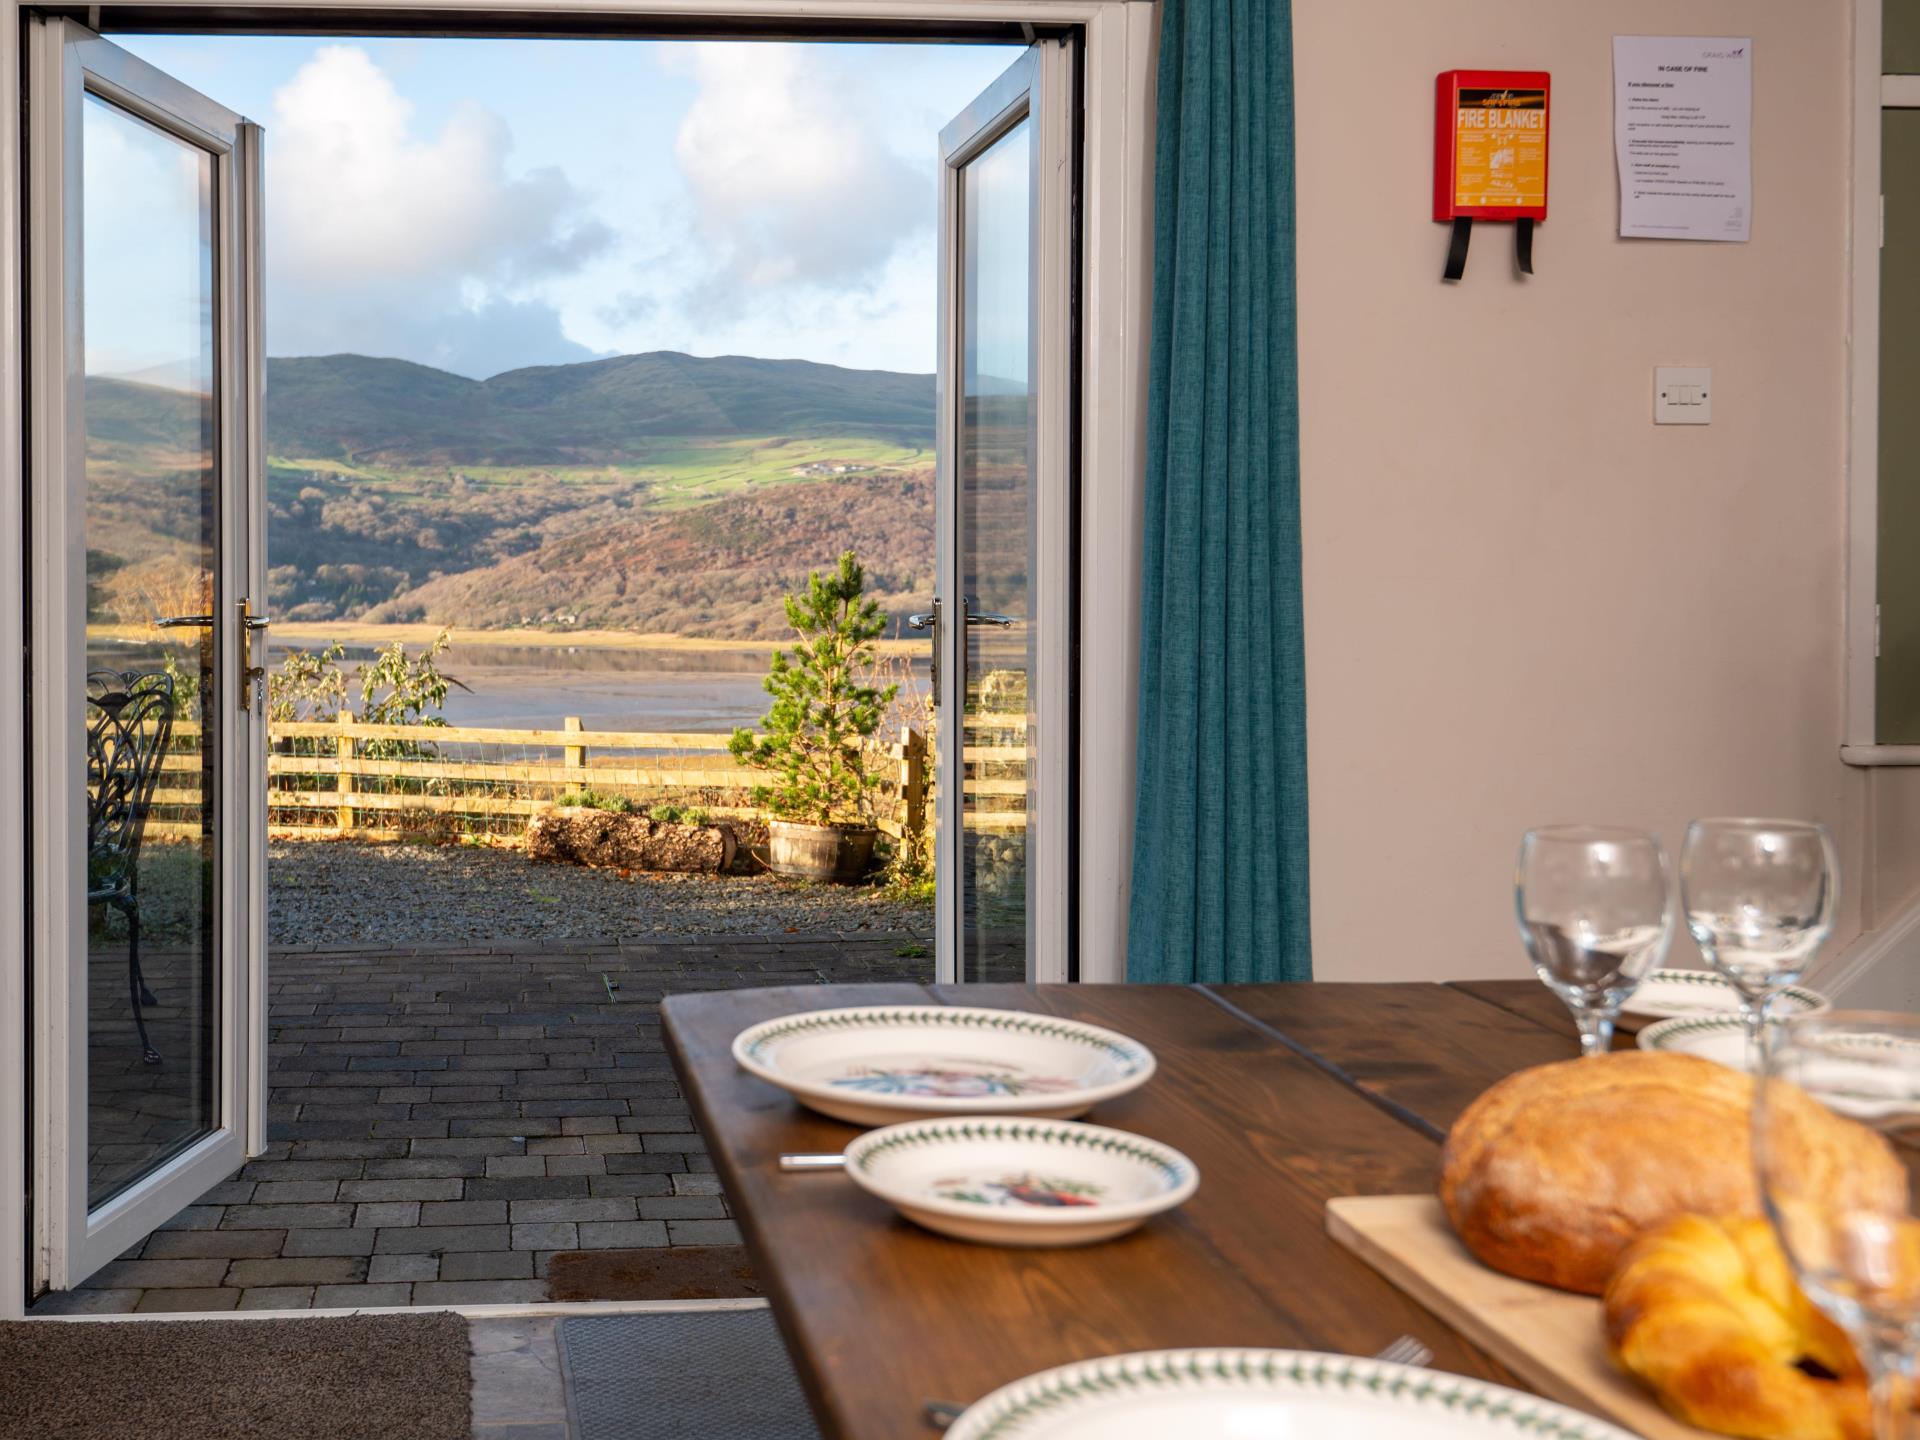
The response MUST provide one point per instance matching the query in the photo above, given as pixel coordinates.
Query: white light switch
(1682, 395)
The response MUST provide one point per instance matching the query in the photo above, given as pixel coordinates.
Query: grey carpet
(357, 1377)
(686, 1375)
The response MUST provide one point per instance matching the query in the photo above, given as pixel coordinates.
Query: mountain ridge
(379, 410)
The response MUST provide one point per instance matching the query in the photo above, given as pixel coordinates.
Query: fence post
(343, 782)
(574, 756)
(913, 782)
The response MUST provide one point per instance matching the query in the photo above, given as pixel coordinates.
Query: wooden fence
(347, 779)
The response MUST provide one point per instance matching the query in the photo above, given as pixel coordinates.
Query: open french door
(1003, 621)
(146, 557)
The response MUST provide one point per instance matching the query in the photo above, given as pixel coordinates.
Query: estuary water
(529, 687)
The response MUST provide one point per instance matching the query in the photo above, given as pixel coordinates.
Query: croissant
(1706, 1314)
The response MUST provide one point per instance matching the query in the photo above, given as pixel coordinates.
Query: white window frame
(1872, 94)
(1119, 43)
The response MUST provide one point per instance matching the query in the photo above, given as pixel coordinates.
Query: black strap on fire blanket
(1457, 247)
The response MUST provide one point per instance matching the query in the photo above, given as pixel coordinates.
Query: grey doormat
(355, 1377)
(681, 1375)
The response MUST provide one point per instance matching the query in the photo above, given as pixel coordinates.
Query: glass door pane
(151, 519)
(147, 763)
(994, 449)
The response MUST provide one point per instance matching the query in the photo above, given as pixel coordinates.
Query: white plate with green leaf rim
(1672, 993)
(1007, 1180)
(1721, 1038)
(1264, 1395)
(876, 1064)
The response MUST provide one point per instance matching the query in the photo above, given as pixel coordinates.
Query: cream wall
(1893, 844)
(1525, 602)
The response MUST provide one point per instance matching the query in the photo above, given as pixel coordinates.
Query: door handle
(250, 673)
(930, 620)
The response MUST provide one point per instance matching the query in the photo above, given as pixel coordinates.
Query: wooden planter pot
(819, 852)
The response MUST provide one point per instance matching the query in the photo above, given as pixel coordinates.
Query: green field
(674, 471)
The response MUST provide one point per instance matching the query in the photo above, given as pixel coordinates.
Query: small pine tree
(823, 709)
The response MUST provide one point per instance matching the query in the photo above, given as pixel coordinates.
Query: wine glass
(1596, 914)
(1759, 897)
(1847, 1229)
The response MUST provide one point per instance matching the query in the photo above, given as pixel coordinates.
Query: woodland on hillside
(659, 493)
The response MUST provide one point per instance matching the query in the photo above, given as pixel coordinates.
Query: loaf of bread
(1551, 1172)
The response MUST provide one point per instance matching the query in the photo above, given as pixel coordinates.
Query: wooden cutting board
(1549, 1338)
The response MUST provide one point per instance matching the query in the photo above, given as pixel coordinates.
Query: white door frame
(1115, 283)
(1036, 89)
(250, 531)
(14, 763)
(72, 1239)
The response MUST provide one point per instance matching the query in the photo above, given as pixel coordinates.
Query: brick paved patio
(444, 1119)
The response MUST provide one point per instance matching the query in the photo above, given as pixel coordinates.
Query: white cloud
(758, 198)
(790, 180)
(388, 241)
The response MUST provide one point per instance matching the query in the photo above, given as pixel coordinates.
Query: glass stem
(1888, 1384)
(1754, 1012)
(1596, 1029)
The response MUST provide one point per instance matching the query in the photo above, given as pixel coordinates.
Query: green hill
(659, 492)
(132, 413)
(394, 413)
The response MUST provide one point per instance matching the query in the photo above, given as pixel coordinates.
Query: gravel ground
(345, 893)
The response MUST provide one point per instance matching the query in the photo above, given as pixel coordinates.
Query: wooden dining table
(1285, 1096)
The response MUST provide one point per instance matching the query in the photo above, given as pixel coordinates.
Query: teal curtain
(1220, 838)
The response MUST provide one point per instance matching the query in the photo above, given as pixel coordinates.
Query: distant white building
(830, 467)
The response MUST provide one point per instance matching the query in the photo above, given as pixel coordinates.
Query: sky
(481, 205)
(147, 198)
